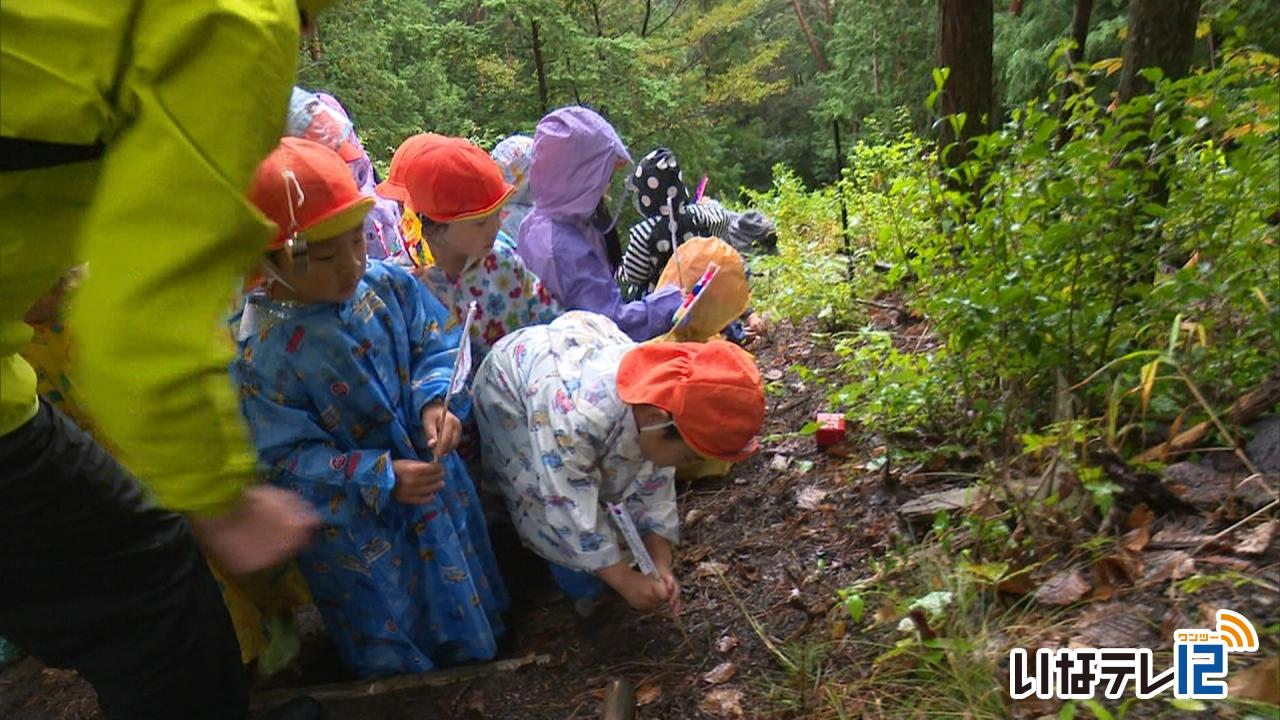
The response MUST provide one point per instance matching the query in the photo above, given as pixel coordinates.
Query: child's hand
(757, 326)
(417, 482)
(644, 593)
(444, 429)
(672, 587)
(640, 591)
(269, 526)
(660, 552)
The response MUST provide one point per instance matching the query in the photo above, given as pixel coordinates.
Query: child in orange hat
(575, 414)
(343, 368)
(457, 192)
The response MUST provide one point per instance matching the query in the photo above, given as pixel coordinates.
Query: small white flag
(622, 519)
(462, 362)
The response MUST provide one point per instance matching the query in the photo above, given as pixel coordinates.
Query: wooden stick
(369, 688)
(619, 700)
(764, 638)
(1242, 411)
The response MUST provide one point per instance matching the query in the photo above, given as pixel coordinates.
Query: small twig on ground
(1265, 508)
(755, 626)
(1213, 416)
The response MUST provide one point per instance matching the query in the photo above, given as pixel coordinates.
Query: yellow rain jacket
(187, 98)
(726, 298)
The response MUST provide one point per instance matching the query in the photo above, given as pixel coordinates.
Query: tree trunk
(965, 37)
(1162, 33)
(808, 34)
(1080, 14)
(537, 64)
(648, 11)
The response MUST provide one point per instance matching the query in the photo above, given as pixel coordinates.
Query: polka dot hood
(656, 180)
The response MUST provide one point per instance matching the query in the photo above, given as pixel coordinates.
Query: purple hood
(574, 151)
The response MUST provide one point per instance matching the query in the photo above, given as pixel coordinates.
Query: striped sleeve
(637, 262)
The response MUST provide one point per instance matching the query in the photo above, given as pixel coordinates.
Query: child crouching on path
(342, 370)
(458, 191)
(574, 414)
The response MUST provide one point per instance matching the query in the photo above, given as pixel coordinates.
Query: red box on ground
(830, 429)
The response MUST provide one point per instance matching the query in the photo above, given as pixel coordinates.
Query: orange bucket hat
(448, 179)
(306, 187)
(712, 390)
(396, 186)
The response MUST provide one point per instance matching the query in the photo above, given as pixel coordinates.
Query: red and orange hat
(304, 186)
(712, 390)
(445, 178)
(395, 186)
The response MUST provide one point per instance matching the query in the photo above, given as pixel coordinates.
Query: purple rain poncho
(574, 153)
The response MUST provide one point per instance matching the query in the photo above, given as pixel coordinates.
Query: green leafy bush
(1053, 251)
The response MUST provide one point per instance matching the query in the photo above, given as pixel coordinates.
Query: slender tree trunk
(875, 69)
(648, 11)
(543, 98)
(1081, 11)
(965, 37)
(1080, 14)
(808, 34)
(1162, 33)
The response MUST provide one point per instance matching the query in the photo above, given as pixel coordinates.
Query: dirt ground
(763, 552)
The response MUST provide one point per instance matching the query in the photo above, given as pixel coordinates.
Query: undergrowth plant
(1069, 253)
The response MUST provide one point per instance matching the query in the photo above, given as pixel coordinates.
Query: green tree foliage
(718, 81)
(731, 85)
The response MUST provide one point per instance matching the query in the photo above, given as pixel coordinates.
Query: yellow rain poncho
(187, 97)
(719, 304)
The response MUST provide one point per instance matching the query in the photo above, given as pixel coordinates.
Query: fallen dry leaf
(727, 642)
(779, 462)
(720, 673)
(1136, 539)
(692, 517)
(1116, 624)
(1016, 583)
(1139, 517)
(709, 569)
(1065, 588)
(1233, 563)
(1167, 565)
(647, 694)
(1258, 540)
(1174, 537)
(1260, 682)
(811, 498)
(722, 702)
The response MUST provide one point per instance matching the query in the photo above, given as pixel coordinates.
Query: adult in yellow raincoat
(129, 132)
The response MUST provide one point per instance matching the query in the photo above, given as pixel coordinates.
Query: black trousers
(95, 578)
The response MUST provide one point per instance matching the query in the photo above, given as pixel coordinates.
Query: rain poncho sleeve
(560, 441)
(292, 441)
(432, 351)
(188, 98)
(597, 292)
